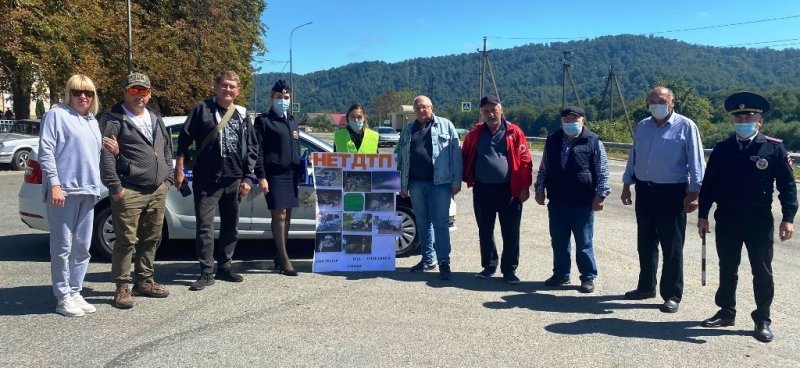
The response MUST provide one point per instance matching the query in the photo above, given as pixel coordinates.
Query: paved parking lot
(389, 318)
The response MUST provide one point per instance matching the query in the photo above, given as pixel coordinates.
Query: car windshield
(386, 130)
(26, 127)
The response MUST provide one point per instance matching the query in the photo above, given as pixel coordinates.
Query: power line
(762, 42)
(727, 25)
(653, 33)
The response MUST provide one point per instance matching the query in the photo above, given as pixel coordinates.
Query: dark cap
(281, 86)
(746, 102)
(489, 100)
(137, 79)
(573, 110)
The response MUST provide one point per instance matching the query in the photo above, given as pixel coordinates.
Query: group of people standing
(666, 165)
(128, 149)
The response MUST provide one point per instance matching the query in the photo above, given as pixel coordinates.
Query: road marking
(9, 173)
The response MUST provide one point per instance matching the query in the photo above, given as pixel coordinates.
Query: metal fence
(5, 125)
(627, 146)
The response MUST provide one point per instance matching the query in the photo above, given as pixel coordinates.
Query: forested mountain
(532, 74)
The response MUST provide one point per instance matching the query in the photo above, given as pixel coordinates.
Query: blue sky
(344, 32)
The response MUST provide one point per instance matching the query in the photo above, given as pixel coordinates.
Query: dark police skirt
(282, 189)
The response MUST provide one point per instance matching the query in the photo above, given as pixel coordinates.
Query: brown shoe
(122, 297)
(151, 289)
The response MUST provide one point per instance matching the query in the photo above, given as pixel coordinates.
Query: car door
(304, 217)
(182, 208)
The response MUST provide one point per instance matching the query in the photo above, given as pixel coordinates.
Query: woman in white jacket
(69, 152)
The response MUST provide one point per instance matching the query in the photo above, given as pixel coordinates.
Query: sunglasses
(78, 93)
(144, 92)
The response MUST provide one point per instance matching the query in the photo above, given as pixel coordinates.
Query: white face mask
(659, 111)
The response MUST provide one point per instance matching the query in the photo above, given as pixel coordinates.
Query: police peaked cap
(281, 86)
(746, 102)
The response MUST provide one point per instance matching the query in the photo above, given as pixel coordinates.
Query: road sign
(295, 107)
(466, 106)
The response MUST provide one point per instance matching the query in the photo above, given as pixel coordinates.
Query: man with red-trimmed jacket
(497, 164)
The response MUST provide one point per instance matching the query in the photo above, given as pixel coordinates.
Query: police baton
(703, 263)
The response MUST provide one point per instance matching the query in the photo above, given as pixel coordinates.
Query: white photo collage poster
(357, 224)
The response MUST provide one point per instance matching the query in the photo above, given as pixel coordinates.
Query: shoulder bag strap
(213, 134)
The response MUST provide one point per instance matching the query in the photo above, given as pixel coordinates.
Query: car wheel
(408, 242)
(20, 159)
(103, 236)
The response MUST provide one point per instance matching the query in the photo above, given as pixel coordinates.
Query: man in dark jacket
(136, 167)
(225, 156)
(574, 175)
(743, 171)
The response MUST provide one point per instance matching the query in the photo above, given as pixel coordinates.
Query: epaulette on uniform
(773, 139)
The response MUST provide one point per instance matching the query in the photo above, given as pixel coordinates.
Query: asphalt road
(390, 318)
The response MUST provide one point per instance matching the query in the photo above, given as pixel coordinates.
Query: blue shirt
(602, 189)
(669, 154)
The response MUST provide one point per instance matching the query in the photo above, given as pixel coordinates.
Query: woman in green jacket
(357, 137)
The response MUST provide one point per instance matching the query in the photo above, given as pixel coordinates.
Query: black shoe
(670, 306)
(511, 278)
(444, 271)
(555, 281)
(205, 279)
(586, 286)
(282, 270)
(640, 294)
(486, 273)
(719, 320)
(762, 332)
(228, 275)
(422, 267)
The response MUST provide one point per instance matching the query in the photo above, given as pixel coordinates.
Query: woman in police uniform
(279, 169)
(357, 137)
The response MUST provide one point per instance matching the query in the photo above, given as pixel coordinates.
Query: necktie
(743, 144)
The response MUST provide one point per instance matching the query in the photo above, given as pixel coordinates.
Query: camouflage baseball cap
(137, 79)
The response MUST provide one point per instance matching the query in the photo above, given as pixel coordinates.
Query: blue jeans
(564, 222)
(432, 208)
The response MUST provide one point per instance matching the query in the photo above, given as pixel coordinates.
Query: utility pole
(568, 76)
(612, 78)
(431, 79)
(482, 69)
(130, 41)
(291, 72)
(485, 62)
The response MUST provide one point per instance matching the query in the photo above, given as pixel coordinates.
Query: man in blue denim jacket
(429, 157)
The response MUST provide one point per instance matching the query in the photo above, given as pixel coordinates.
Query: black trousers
(660, 220)
(754, 228)
(207, 197)
(489, 202)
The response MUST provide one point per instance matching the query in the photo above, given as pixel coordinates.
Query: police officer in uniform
(739, 178)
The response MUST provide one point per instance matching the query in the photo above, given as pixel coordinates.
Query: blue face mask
(356, 125)
(573, 128)
(281, 106)
(745, 130)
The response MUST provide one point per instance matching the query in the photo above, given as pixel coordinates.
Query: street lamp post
(291, 85)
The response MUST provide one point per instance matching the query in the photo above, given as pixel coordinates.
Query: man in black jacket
(742, 172)
(136, 167)
(225, 156)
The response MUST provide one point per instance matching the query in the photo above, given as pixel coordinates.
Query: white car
(18, 142)
(254, 217)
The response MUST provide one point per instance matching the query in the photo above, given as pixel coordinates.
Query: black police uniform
(739, 178)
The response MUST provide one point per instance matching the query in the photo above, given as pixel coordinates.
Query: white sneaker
(69, 308)
(85, 306)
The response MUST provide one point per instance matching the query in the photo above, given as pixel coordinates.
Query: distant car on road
(18, 142)
(387, 136)
(179, 220)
